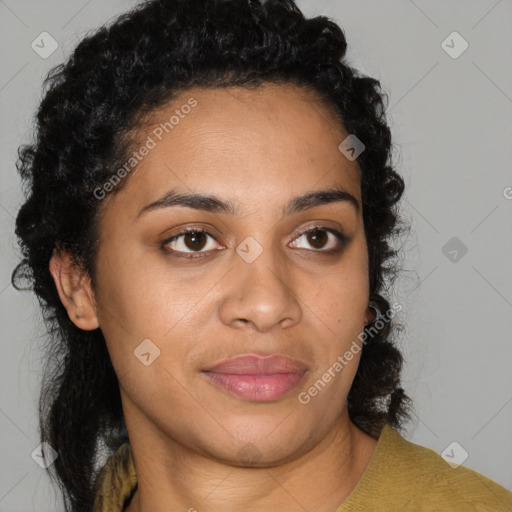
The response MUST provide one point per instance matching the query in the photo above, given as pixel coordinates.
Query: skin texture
(259, 149)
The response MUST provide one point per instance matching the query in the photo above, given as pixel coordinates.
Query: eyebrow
(213, 204)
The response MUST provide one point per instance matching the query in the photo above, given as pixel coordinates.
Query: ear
(74, 288)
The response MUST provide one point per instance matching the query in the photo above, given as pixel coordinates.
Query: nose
(260, 294)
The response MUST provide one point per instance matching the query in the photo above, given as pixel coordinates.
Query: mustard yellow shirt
(400, 477)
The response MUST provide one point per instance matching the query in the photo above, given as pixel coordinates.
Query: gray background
(451, 122)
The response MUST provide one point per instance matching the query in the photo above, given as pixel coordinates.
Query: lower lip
(257, 388)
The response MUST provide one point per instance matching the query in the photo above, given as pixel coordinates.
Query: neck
(172, 477)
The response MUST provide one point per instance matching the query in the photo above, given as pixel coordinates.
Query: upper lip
(252, 364)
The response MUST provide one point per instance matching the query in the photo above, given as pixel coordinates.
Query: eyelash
(342, 239)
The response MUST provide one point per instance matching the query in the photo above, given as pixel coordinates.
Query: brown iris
(317, 237)
(197, 240)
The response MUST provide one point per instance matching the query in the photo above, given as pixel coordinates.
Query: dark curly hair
(85, 124)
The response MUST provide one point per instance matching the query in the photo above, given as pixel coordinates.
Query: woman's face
(254, 282)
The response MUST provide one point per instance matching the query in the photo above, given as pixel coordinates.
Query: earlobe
(74, 288)
(370, 315)
(375, 314)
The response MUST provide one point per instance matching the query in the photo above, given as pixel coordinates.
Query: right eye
(189, 241)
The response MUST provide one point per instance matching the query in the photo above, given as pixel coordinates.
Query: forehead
(262, 144)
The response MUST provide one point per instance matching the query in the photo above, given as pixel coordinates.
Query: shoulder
(116, 481)
(406, 476)
(456, 488)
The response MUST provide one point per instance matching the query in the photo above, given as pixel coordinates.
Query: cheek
(131, 287)
(340, 309)
(127, 301)
(339, 306)
(342, 299)
(139, 302)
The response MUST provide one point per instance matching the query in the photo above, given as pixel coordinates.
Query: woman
(207, 229)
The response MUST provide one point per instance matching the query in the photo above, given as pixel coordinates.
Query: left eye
(319, 237)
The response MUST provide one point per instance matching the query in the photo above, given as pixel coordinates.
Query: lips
(255, 378)
(256, 365)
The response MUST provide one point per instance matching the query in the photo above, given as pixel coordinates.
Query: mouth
(255, 378)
